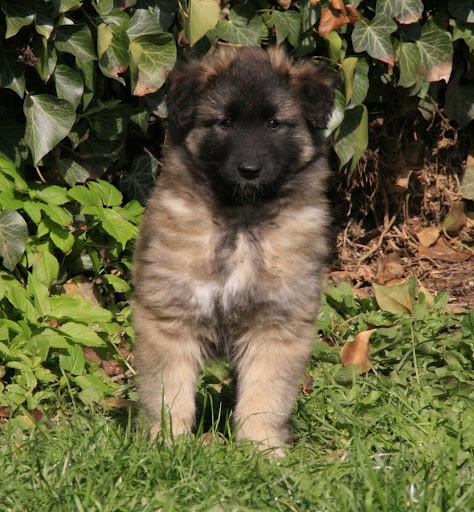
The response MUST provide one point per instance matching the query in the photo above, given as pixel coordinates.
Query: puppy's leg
(270, 367)
(168, 364)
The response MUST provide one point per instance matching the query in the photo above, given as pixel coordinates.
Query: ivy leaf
(352, 138)
(152, 57)
(13, 237)
(404, 11)
(435, 47)
(409, 61)
(360, 84)
(48, 121)
(374, 37)
(243, 27)
(17, 16)
(76, 40)
(69, 85)
(287, 26)
(139, 181)
(144, 22)
(12, 75)
(72, 172)
(66, 5)
(112, 47)
(202, 17)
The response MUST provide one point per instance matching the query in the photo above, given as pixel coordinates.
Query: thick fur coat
(233, 242)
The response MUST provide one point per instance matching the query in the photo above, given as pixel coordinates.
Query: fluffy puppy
(233, 241)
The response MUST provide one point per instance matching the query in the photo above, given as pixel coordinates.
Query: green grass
(399, 438)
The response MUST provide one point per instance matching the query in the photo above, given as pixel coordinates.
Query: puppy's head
(250, 119)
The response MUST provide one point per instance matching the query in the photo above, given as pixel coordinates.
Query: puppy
(233, 241)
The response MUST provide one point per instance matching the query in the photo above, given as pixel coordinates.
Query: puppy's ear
(316, 88)
(183, 88)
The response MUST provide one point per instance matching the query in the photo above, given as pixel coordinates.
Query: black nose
(249, 170)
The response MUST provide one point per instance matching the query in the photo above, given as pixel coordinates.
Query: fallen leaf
(365, 273)
(390, 268)
(428, 236)
(441, 250)
(401, 180)
(456, 219)
(357, 352)
(308, 385)
(5, 412)
(394, 299)
(119, 403)
(341, 276)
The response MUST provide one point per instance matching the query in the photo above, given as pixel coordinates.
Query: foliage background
(82, 122)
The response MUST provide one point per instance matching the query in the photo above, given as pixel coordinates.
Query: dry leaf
(341, 276)
(389, 269)
(441, 250)
(314, 2)
(428, 236)
(284, 4)
(456, 219)
(401, 181)
(352, 13)
(119, 403)
(357, 352)
(441, 71)
(308, 385)
(331, 20)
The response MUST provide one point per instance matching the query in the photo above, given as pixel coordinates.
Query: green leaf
(87, 69)
(112, 48)
(119, 285)
(69, 85)
(374, 37)
(435, 46)
(47, 59)
(40, 293)
(360, 85)
(44, 23)
(12, 75)
(394, 299)
(409, 62)
(61, 237)
(82, 334)
(28, 378)
(72, 172)
(152, 57)
(144, 22)
(203, 16)
(109, 194)
(287, 26)
(139, 181)
(65, 307)
(73, 360)
(66, 5)
(118, 228)
(467, 325)
(20, 299)
(7, 167)
(13, 237)
(243, 27)
(52, 194)
(46, 267)
(89, 381)
(48, 121)
(352, 136)
(76, 40)
(405, 11)
(84, 196)
(17, 16)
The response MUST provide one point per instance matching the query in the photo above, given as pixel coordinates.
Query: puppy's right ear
(184, 87)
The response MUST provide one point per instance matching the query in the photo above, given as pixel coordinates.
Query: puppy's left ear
(316, 87)
(183, 88)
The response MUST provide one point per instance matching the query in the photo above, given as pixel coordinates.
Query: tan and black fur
(233, 242)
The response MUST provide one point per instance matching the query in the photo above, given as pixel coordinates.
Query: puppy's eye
(272, 124)
(226, 123)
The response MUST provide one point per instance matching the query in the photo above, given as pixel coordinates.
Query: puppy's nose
(249, 170)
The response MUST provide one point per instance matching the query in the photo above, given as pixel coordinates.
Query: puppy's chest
(235, 272)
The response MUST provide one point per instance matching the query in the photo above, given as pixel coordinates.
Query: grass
(400, 438)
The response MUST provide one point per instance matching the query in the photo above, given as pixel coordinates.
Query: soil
(400, 212)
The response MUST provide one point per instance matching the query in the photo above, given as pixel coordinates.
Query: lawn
(400, 437)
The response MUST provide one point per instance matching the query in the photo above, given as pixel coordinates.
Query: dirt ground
(401, 211)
